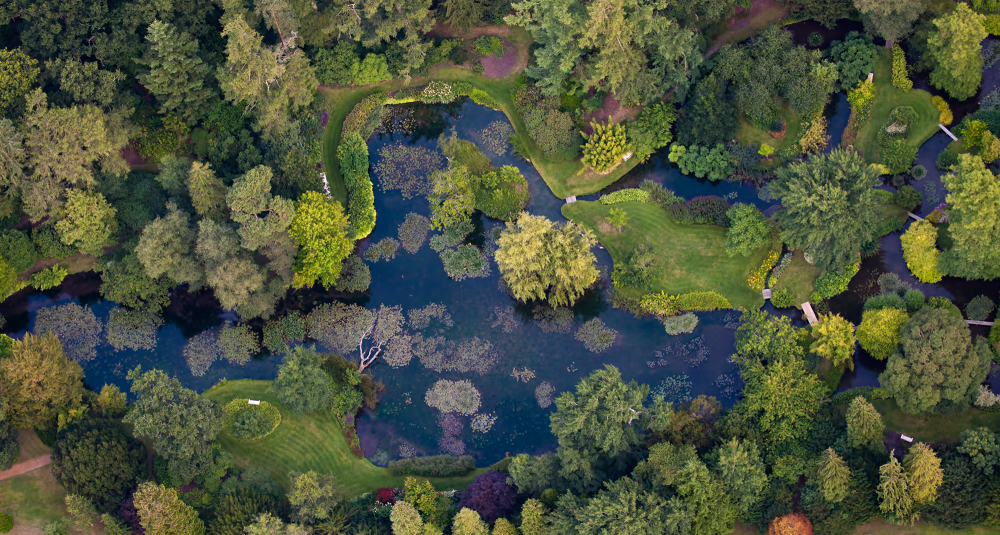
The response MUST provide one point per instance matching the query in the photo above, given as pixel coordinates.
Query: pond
(692, 364)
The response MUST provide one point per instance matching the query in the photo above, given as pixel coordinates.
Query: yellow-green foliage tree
(979, 139)
(323, 233)
(946, 116)
(923, 473)
(879, 332)
(900, 74)
(18, 73)
(605, 147)
(920, 251)
(861, 99)
(89, 222)
(39, 381)
(894, 491)
(162, 511)
(834, 339)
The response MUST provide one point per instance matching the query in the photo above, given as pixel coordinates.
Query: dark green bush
(489, 45)
(249, 425)
(918, 172)
(9, 448)
(17, 250)
(433, 466)
(945, 160)
(908, 197)
(6, 523)
(48, 244)
(782, 298)
(659, 195)
(914, 300)
(885, 301)
(870, 393)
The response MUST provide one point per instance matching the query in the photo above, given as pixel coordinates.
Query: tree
(890, 21)
(618, 218)
(10, 449)
(180, 422)
(864, 425)
(504, 527)
(208, 193)
(378, 21)
(894, 492)
(739, 466)
(260, 215)
(62, 144)
(982, 447)
(920, 251)
(490, 495)
(762, 337)
(623, 506)
(879, 332)
(974, 221)
(748, 230)
(251, 69)
(835, 340)
(467, 522)
(855, 56)
(126, 281)
(11, 154)
(39, 382)
(405, 519)
(791, 524)
(605, 148)
(18, 72)
(96, 461)
(954, 52)
(464, 14)
(901, 74)
(323, 233)
(176, 74)
(650, 131)
(89, 222)
(829, 206)
(301, 383)
(433, 507)
(961, 497)
(451, 196)
(923, 473)
(313, 496)
(709, 504)
(785, 398)
(81, 509)
(346, 328)
(533, 518)
(267, 524)
(539, 260)
(938, 363)
(235, 511)
(834, 477)
(229, 270)
(162, 511)
(166, 247)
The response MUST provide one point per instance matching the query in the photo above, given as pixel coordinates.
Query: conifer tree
(834, 477)
(176, 74)
(208, 193)
(864, 424)
(923, 473)
(894, 491)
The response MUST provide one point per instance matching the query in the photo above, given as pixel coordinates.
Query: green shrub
(372, 70)
(626, 195)
(855, 56)
(920, 251)
(17, 249)
(501, 193)
(365, 116)
(861, 99)
(979, 308)
(6, 523)
(871, 393)
(247, 422)
(48, 244)
(880, 301)
(711, 162)
(879, 332)
(908, 197)
(703, 301)
(553, 130)
(489, 45)
(48, 278)
(650, 131)
(338, 66)
(483, 99)
(900, 74)
(831, 283)
(353, 156)
(914, 300)
(945, 160)
(782, 298)
(433, 466)
(918, 172)
(605, 147)
(659, 195)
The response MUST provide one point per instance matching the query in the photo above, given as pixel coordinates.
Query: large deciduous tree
(179, 421)
(939, 362)
(835, 340)
(974, 221)
(18, 73)
(785, 397)
(829, 206)
(162, 511)
(889, 20)
(260, 215)
(542, 260)
(762, 337)
(88, 223)
(313, 496)
(97, 461)
(323, 233)
(301, 383)
(954, 51)
(348, 328)
(167, 247)
(38, 381)
(176, 74)
(229, 269)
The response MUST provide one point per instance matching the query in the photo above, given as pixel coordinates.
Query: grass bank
(934, 427)
(888, 98)
(310, 442)
(748, 134)
(691, 257)
(563, 176)
(798, 278)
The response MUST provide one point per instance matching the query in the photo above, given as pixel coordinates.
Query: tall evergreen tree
(261, 216)
(707, 499)
(974, 221)
(864, 425)
(464, 14)
(741, 470)
(176, 74)
(161, 511)
(894, 491)
(923, 473)
(208, 193)
(834, 477)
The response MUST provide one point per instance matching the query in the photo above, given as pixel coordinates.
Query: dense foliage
(96, 461)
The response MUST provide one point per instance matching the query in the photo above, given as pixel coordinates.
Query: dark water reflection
(413, 281)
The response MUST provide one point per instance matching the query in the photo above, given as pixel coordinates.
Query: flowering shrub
(626, 195)
(831, 283)
(437, 93)
(247, 423)
(453, 396)
(386, 496)
(779, 269)
(759, 274)
(920, 251)
(544, 393)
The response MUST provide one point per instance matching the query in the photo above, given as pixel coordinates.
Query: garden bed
(494, 67)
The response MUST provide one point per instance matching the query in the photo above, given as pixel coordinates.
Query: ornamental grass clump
(605, 147)
(454, 396)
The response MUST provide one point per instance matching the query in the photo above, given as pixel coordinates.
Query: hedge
(703, 301)
(353, 156)
(238, 406)
(626, 195)
(871, 393)
(433, 466)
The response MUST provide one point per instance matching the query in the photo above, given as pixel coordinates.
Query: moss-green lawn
(798, 278)
(888, 98)
(748, 134)
(691, 257)
(310, 442)
(562, 176)
(934, 427)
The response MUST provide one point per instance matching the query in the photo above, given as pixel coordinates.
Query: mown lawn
(562, 176)
(691, 257)
(34, 500)
(798, 278)
(311, 442)
(934, 427)
(748, 134)
(888, 98)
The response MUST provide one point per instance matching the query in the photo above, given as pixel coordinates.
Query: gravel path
(26, 466)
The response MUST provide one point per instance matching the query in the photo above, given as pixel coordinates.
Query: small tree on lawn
(618, 218)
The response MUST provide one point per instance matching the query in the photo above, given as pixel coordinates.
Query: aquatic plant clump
(729, 385)
(472, 355)
(399, 353)
(406, 451)
(596, 336)
(452, 445)
(384, 249)
(464, 262)
(454, 396)
(133, 329)
(545, 394)
(200, 352)
(482, 423)
(675, 389)
(413, 232)
(451, 425)
(420, 318)
(554, 320)
(979, 308)
(406, 168)
(503, 318)
(495, 136)
(685, 323)
(452, 236)
(78, 329)
(692, 353)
